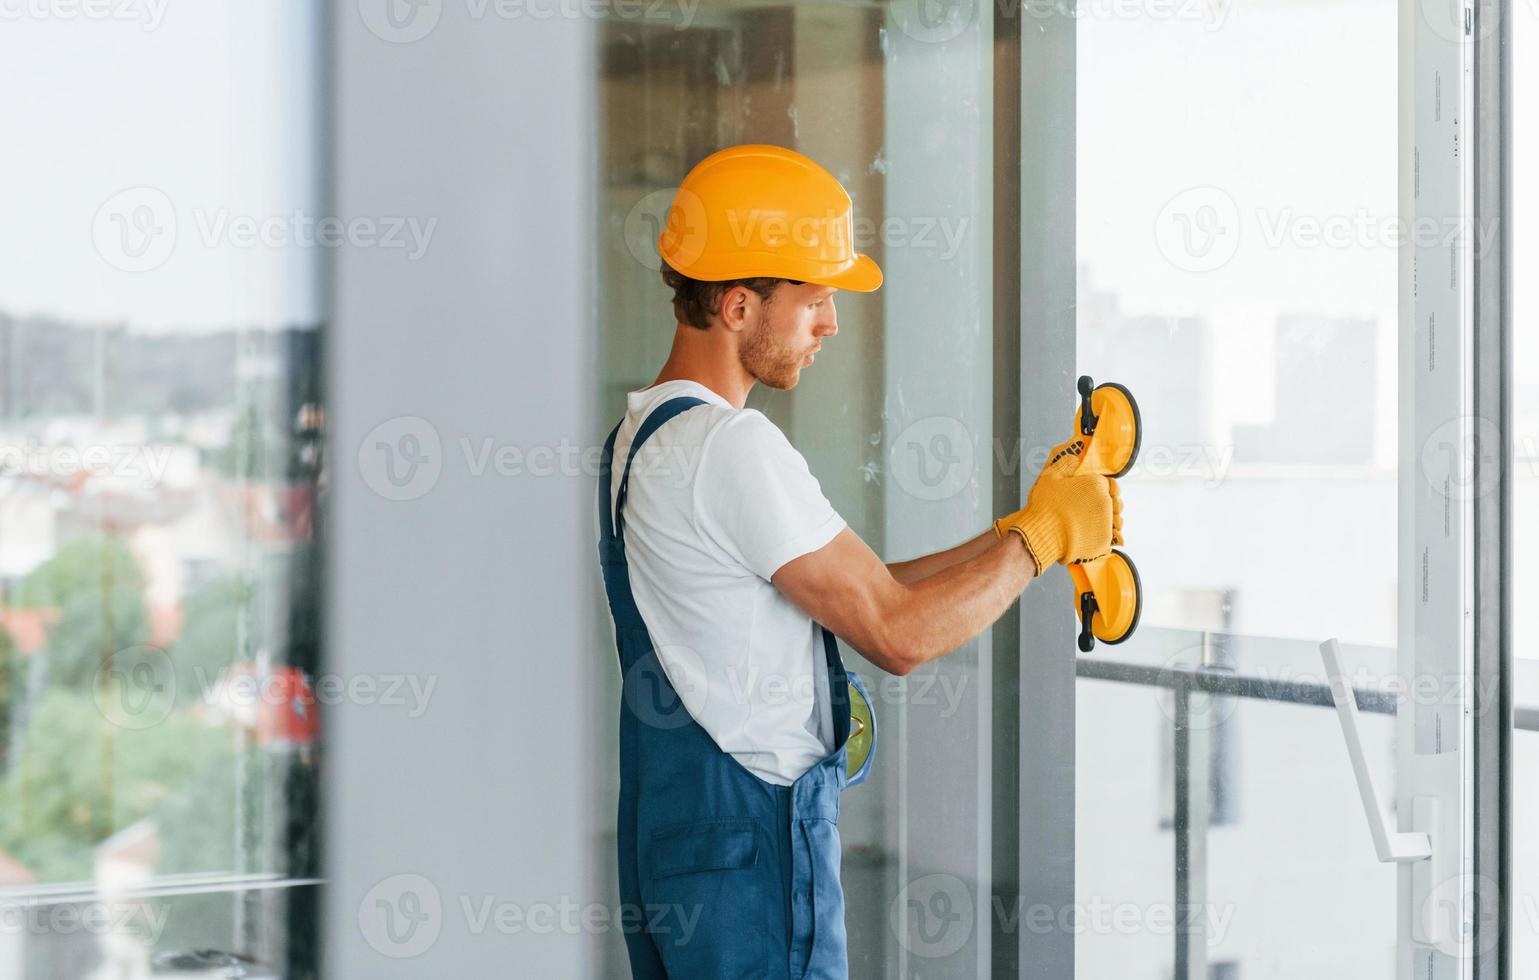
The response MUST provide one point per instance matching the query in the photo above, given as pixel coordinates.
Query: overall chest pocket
(706, 898)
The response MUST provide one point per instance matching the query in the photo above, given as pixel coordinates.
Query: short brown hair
(694, 301)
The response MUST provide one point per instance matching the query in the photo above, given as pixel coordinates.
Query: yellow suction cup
(862, 734)
(1109, 597)
(1108, 417)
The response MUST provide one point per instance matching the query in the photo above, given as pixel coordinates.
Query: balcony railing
(1208, 667)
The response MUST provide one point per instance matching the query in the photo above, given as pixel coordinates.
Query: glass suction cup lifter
(1108, 419)
(1108, 597)
(1107, 591)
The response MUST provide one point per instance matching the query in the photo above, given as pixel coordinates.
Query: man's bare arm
(896, 625)
(915, 569)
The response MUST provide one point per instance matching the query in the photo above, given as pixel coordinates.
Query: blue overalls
(722, 874)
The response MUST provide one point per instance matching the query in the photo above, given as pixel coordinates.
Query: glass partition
(895, 417)
(160, 433)
(1231, 804)
(1243, 285)
(1524, 398)
(1524, 143)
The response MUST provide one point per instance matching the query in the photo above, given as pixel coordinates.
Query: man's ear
(737, 306)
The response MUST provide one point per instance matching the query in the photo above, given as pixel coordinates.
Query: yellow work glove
(1069, 517)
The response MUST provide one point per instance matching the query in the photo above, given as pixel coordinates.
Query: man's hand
(1069, 516)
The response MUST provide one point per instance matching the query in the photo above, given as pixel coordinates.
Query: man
(729, 574)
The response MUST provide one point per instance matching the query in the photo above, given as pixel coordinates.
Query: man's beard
(768, 358)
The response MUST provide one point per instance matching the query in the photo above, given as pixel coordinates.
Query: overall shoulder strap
(613, 521)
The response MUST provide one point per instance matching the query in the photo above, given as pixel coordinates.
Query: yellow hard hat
(761, 210)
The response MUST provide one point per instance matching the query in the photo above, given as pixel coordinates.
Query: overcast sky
(1288, 109)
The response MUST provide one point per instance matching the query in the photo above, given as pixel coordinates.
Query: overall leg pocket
(705, 891)
(818, 903)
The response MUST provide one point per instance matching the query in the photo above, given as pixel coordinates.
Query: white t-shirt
(718, 501)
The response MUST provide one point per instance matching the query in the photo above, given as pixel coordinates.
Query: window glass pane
(1243, 284)
(1524, 145)
(894, 418)
(160, 433)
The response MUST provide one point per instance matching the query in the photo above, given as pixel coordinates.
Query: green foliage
(78, 779)
(209, 639)
(98, 588)
(12, 690)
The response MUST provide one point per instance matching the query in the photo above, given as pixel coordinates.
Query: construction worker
(729, 574)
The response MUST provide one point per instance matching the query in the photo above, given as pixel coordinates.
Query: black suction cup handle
(1087, 418)
(1086, 611)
